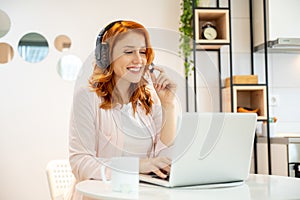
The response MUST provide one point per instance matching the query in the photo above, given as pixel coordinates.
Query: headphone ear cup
(102, 55)
(102, 48)
(97, 54)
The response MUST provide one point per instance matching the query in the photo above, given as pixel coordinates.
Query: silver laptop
(210, 149)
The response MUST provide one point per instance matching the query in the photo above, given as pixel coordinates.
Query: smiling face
(129, 58)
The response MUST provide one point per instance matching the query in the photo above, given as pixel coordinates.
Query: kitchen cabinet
(282, 20)
(284, 152)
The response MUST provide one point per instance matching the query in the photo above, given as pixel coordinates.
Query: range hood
(276, 21)
(281, 45)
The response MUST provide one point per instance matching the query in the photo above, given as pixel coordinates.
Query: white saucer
(100, 190)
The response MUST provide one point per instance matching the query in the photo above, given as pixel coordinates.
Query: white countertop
(256, 187)
(279, 140)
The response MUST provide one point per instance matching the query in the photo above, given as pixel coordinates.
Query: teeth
(134, 69)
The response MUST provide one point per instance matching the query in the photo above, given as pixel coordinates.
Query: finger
(165, 84)
(163, 162)
(167, 160)
(168, 84)
(160, 174)
(162, 81)
(153, 67)
(160, 69)
(166, 170)
(164, 159)
(161, 77)
(152, 75)
(163, 165)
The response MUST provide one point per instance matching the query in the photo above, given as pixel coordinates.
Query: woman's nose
(137, 57)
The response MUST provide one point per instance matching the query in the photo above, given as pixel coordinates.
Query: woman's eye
(128, 52)
(132, 51)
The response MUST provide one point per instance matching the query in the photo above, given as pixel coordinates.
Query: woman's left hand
(164, 86)
(158, 165)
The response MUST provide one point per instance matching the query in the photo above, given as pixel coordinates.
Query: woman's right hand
(158, 165)
(164, 86)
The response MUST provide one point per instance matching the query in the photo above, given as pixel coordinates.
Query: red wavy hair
(102, 80)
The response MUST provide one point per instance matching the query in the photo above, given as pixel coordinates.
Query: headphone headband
(102, 48)
(103, 31)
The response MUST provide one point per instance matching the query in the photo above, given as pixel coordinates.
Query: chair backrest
(60, 178)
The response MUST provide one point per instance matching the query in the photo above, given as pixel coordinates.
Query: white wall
(285, 86)
(35, 101)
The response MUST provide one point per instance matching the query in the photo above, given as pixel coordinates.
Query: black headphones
(102, 48)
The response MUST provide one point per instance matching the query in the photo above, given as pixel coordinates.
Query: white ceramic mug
(124, 174)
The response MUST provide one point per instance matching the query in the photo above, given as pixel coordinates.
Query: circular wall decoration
(68, 67)
(33, 47)
(6, 53)
(62, 43)
(4, 23)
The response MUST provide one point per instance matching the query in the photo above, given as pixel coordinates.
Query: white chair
(60, 178)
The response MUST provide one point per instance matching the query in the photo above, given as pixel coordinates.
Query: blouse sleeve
(82, 136)
(157, 118)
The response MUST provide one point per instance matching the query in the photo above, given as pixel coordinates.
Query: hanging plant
(186, 33)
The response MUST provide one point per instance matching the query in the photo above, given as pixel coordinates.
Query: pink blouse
(96, 134)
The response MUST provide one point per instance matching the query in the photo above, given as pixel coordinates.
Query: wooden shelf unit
(250, 96)
(220, 18)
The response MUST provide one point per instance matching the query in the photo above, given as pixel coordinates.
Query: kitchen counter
(279, 140)
(285, 152)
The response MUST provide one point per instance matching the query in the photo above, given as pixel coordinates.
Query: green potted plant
(186, 33)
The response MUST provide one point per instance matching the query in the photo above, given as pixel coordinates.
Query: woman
(126, 110)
